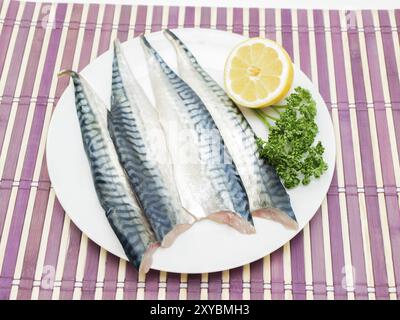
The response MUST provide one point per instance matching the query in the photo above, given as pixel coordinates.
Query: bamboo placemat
(350, 249)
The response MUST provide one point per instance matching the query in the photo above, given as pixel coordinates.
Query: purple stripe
(384, 147)
(189, 17)
(124, 19)
(173, 282)
(368, 167)
(237, 20)
(106, 31)
(214, 285)
(173, 17)
(353, 209)
(317, 256)
(151, 291)
(205, 17)
(140, 20)
(23, 194)
(333, 199)
(157, 18)
(254, 22)
(110, 277)
(193, 282)
(131, 277)
(277, 280)
(221, 18)
(257, 280)
(5, 193)
(236, 284)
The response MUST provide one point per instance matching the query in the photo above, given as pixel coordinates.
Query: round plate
(207, 246)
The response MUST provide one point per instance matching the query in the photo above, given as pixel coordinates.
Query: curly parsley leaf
(290, 146)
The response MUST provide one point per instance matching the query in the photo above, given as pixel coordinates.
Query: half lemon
(258, 73)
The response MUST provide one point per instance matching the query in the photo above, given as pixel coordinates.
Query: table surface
(350, 249)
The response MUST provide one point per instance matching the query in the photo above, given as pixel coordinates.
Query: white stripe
(229, 19)
(149, 15)
(225, 285)
(197, 14)
(162, 291)
(267, 277)
(246, 278)
(181, 16)
(183, 287)
(131, 22)
(164, 18)
(119, 294)
(246, 19)
(213, 18)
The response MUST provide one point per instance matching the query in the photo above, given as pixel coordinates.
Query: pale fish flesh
(267, 196)
(207, 180)
(111, 184)
(140, 143)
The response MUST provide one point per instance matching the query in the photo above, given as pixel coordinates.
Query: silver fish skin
(111, 184)
(141, 147)
(267, 196)
(208, 183)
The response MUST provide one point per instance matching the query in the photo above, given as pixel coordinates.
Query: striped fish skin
(267, 196)
(208, 184)
(141, 147)
(111, 184)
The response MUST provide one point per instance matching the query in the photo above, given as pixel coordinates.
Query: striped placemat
(350, 249)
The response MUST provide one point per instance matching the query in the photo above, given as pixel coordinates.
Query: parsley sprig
(290, 146)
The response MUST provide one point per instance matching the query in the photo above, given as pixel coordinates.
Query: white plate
(207, 246)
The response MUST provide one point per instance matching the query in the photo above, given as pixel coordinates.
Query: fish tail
(276, 215)
(233, 220)
(179, 45)
(170, 237)
(67, 72)
(147, 259)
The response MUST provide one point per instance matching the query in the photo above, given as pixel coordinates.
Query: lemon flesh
(258, 73)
